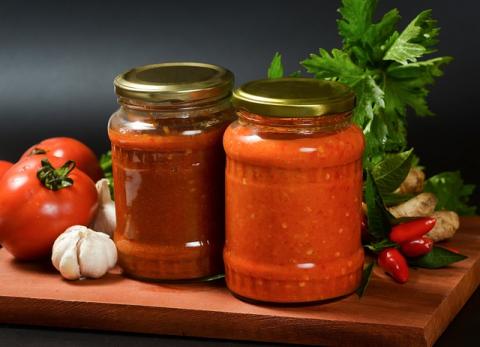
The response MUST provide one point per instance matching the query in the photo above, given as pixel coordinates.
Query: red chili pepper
(411, 230)
(417, 247)
(394, 263)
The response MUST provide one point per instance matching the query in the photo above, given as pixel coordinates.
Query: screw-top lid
(174, 82)
(294, 97)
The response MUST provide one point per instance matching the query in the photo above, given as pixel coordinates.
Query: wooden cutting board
(413, 314)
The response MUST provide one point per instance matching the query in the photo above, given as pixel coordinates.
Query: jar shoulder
(250, 143)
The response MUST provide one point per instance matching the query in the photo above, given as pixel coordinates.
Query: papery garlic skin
(105, 220)
(82, 252)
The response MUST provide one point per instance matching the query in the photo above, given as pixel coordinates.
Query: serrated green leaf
(377, 35)
(426, 70)
(413, 42)
(377, 214)
(437, 258)
(366, 275)
(452, 194)
(356, 19)
(406, 85)
(275, 70)
(392, 171)
(336, 65)
(376, 134)
(340, 67)
(369, 97)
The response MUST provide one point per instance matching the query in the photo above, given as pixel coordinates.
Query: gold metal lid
(174, 82)
(294, 97)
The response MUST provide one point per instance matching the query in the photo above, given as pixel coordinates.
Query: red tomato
(69, 149)
(32, 216)
(4, 166)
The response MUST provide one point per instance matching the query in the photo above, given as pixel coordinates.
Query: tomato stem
(55, 179)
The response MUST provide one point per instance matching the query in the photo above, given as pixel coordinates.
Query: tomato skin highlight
(417, 247)
(33, 216)
(411, 230)
(4, 166)
(68, 148)
(394, 263)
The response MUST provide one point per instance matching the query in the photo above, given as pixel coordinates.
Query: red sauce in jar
(293, 208)
(169, 198)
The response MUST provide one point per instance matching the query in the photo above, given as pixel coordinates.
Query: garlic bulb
(82, 252)
(105, 219)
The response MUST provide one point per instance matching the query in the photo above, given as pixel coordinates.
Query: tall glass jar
(168, 169)
(293, 192)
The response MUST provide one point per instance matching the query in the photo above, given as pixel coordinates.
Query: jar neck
(173, 107)
(327, 123)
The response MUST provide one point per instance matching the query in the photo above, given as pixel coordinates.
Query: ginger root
(447, 223)
(413, 183)
(421, 205)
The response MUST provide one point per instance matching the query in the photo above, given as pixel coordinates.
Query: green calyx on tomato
(55, 178)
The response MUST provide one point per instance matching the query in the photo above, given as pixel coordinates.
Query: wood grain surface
(413, 314)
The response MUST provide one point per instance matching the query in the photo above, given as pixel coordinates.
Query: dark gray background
(58, 60)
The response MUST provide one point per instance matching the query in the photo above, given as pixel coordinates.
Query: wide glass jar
(168, 169)
(293, 192)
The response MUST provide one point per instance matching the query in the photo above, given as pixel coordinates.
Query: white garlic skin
(82, 252)
(105, 220)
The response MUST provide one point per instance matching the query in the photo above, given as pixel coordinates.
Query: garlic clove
(62, 243)
(111, 251)
(91, 259)
(105, 219)
(97, 254)
(68, 265)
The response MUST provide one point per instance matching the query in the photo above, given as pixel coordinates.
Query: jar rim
(175, 82)
(294, 97)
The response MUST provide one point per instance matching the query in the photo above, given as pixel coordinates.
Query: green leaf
(377, 214)
(106, 162)
(378, 34)
(415, 41)
(393, 199)
(337, 66)
(380, 245)
(376, 134)
(275, 69)
(363, 39)
(356, 19)
(452, 194)
(297, 73)
(369, 97)
(392, 171)
(406, 85)
(366, 275)
(437, 258)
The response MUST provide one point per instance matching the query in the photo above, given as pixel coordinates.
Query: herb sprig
(390, 71)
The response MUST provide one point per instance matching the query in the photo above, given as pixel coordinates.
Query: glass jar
(168, 169)
(293, 192)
